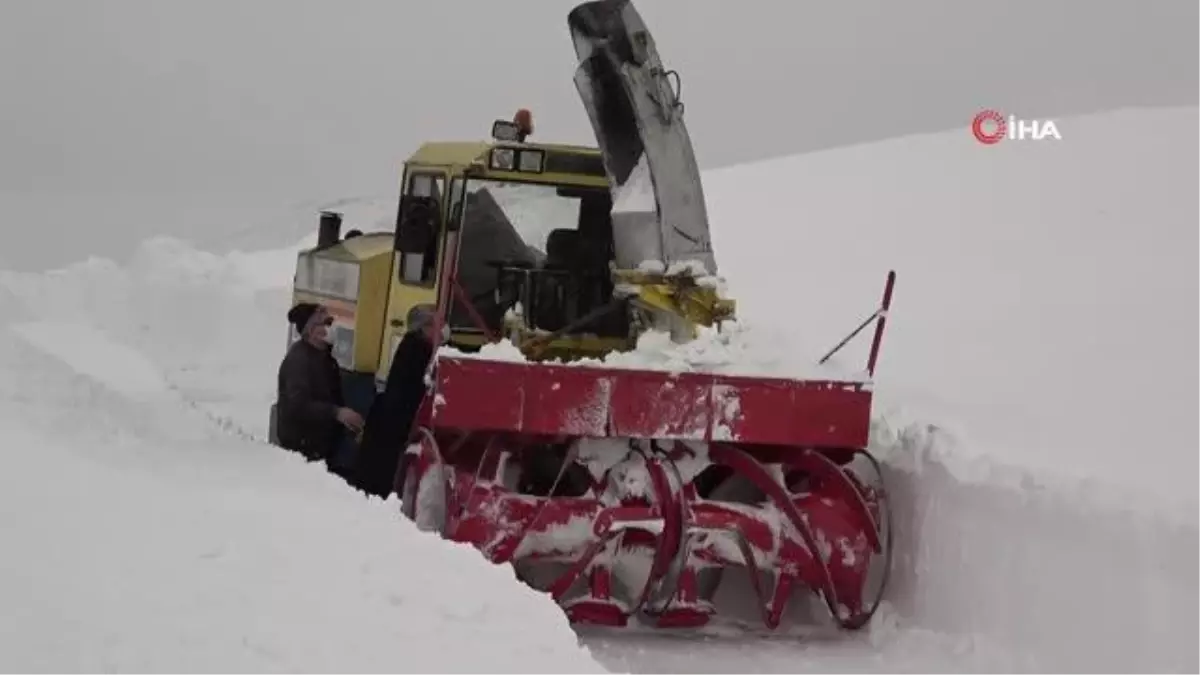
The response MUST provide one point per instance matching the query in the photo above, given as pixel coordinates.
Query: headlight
(503, 130)
(531, 160)
(502, 159)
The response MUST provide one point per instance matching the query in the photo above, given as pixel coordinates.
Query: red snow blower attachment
(626, 491)
(621, 491)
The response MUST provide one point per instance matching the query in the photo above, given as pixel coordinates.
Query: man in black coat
(312, 414)
(390, 420)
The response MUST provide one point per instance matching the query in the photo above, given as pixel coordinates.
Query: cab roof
(464, 153)
(562, 164)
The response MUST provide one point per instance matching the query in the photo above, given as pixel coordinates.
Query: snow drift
(1067, 579)
(1039, 441)
(140, 534)
(1036, 392)
(1043, 307)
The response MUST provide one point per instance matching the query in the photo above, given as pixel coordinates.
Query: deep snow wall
(1054, 559)
(1057, 572)
(1061, 575)
(143, 533)
(1045, 291)
(1036, 394)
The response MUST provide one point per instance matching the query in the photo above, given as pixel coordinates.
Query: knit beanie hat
(300, 315)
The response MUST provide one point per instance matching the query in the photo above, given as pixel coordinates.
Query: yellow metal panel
(571, 179)
(453, 160)
(585, 150)
(459, 156)
(369, 245)
(356, 249)
(450, 153)
(374, 281)
(336, 252)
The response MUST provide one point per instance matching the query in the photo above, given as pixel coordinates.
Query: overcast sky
(185, 117)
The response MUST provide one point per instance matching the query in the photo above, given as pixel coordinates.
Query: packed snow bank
(1044, 499)
(1068, 575)
(887, 648)
(1044, 289)
(90, 352)
(1042, 458)
(166, 543)
(214, 325)
(1035, 396)
(734, 348)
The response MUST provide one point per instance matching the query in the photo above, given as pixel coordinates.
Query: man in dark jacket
(390, 420)
(312, 415)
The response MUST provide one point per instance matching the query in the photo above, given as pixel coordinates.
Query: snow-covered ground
(144, 530)
(1035, 390)
(1045, 292)
(1036, 394)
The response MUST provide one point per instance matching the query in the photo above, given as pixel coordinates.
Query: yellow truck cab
(475, 221)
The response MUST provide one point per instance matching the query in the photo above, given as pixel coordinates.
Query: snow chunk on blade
(722, 386)
(731, 349)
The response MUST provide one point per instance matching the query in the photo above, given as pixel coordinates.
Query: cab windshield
(516, 235)
(532, 211)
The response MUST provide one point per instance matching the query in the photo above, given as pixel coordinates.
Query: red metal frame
(879, 316)
(448, 287)
(822, 535)
(826, 542)
(533, 398)
(884, 308)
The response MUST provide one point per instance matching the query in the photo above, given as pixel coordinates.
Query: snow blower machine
(623, 492)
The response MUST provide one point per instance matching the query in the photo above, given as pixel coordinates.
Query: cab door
(418, 252)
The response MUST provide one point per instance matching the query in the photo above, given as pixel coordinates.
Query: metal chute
(633, 103)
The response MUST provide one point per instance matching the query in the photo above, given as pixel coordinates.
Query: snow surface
(734, 348)
(143, 531)
(1043, 306)
(1035, 418)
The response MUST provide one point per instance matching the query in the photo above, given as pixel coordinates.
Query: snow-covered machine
(620, 490)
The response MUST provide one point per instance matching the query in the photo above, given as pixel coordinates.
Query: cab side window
(418, 230)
